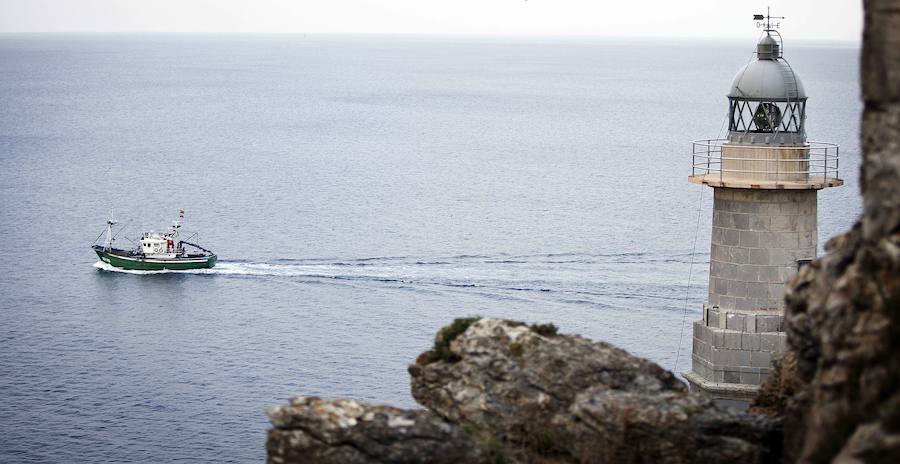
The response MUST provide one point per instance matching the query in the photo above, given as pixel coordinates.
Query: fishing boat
(156, 251)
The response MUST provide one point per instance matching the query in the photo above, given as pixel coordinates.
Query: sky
(830, 20)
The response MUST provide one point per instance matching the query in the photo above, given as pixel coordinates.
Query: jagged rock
(843, 325)
(312, 430)
(838, 388)
(565, 398)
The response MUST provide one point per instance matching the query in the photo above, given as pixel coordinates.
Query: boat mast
(176, 224)
(109, 223)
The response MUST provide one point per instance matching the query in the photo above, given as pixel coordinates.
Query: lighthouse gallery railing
(817, 160)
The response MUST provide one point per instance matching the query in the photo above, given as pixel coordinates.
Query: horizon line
(423, 34)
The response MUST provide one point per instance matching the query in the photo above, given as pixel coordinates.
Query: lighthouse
(765, 178)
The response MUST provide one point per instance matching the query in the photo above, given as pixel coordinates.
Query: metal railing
(817, 161)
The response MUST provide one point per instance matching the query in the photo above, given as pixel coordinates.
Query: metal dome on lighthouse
(767, 102)
(765, 177)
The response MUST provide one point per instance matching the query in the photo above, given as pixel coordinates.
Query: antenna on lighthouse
(765, 21)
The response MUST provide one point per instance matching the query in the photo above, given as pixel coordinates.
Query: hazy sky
(806, 19)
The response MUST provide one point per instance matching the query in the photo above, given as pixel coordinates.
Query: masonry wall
(758, 236)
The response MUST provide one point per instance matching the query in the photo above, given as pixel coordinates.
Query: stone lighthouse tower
(765, 177)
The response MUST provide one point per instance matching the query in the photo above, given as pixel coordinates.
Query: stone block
(730, 271)
(725, 219)
(718, 338)
(749, 238)
(718, 234)
(757, 290)
(726, 302)
(732, 237)
(712, 317)
(773, 208)
(770, 342)
(718, 376)
(719, 285)
(785, 273)
(767, 323)
(776, 291)
(733, 340)
(744, 304)
(789, 223)
(759, 223)
(768, 239)
(741, 221)
(718, 357)
(750, 378)
(760, 359)
(738, 254)
(807, 240)
(732, 377)
(737, 288)
(751, 207)
(769, 274)
(722, 253)
(741, 358)
(748, 273)
(779, 256)
(788, 208)
(807, 223)
(734, 321)
(759, 256)
(750, 341)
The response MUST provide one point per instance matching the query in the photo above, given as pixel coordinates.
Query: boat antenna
(176, 224)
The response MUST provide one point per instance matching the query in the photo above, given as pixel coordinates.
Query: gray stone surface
(757, 238)
(568, 399)
(739, 352)
(311, 429)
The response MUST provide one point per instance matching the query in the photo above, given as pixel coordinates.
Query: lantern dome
(767, 80)
(768, 77)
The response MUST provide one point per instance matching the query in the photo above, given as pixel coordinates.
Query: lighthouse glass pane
(766, 116)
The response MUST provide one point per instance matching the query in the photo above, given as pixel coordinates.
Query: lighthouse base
(733, 350)
(721, 391)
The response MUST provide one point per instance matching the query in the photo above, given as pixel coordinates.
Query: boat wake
(596, 279)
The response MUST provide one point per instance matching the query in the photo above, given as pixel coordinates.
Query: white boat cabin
(159, 245)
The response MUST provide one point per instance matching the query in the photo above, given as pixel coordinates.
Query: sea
(360, 192)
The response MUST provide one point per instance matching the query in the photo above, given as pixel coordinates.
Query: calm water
(361, 192)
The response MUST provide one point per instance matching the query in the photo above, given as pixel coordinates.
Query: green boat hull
(145, 264)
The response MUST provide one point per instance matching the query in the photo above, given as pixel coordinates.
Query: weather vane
(765, 21)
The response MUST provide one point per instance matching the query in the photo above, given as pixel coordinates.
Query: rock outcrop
(502, 391)
(838, 386)
(310, 429)
(567, 399)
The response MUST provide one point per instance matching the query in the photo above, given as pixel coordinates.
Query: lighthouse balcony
(808, 166)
